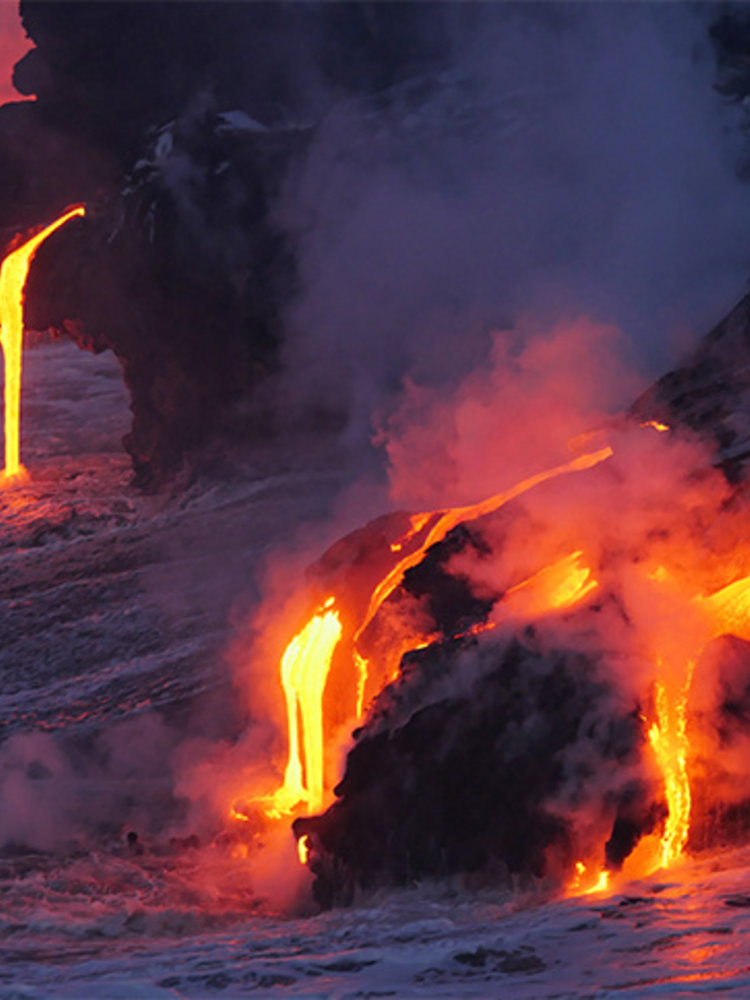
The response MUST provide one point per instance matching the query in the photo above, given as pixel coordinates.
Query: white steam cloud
(576, 159)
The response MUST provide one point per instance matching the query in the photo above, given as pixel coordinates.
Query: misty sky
(574, 160)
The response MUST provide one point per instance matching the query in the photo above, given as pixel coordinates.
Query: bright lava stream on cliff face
(13, 274)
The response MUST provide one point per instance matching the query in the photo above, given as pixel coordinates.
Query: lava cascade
(13, 274)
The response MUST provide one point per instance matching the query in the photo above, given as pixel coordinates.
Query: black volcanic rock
(467, 782)
(710, 392)
(449, 599)
(719, 734)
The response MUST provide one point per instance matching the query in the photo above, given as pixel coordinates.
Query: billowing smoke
(431, 239)
(74, 792)
(328, 199)
(570, 160)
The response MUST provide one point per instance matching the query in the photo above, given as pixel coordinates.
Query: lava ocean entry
(372, 622)
(580, 717)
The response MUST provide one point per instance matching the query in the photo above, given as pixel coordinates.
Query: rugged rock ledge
(177, 124)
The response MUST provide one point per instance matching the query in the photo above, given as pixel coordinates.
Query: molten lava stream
(304, 672)
(449, 519)
(554, 588)
(705, 618)
(457, 515)
(668, 738)
(306, 661)
(13, 274)
(584, 884)
(727, 610)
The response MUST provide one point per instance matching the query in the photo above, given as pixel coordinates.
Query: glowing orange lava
(304, 671)
(559, 586)
(418, 521)
(727, 610)
(668, 739)
(584, 883)
(303, 849)
(13, 274)
(306, 661)
(449, 519)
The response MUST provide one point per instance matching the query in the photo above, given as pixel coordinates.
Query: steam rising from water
(573, 159)
(561, 168)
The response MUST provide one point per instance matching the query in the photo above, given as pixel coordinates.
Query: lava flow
(668, 739)
(704, 618)
(13, 274)
(306, 661)
(304, 671)
(675, 614)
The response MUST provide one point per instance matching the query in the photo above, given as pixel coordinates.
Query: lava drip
(304, 671)
(13, 274)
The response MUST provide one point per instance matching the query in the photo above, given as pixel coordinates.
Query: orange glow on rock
(13, 274)
(554, 588)
(585, 883)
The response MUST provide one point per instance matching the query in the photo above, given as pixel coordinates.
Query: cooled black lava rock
(468, 783)
(637, 815)
(719, 735)
(710, 392)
